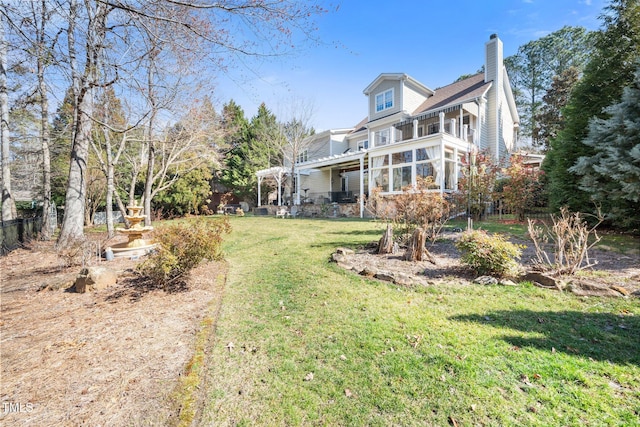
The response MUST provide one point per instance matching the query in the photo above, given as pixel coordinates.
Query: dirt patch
(110, 358)
(612, 269)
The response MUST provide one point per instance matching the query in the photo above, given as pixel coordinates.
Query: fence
(16, 232)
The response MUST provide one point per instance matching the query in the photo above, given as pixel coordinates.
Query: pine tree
(236, 174)
(550, 119)
(533, 67)
(610, 69)
(612, 174)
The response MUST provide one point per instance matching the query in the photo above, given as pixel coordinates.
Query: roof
(455, 93)
(396, 76)
(360, 126)
(463, 90)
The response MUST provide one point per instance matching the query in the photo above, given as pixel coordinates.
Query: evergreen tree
(235, 128)
(550, 119)
(60, 148)
(610, 69)
(253, 149)
(533, 67)
(612, 174)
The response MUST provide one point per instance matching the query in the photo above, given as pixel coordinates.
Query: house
(410, 130)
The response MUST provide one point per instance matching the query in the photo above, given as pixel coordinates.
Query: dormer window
(384, 100)
(302, 156)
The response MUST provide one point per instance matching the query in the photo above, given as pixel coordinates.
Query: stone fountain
(136, 245)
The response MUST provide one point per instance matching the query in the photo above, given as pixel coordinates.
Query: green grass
(426, 356)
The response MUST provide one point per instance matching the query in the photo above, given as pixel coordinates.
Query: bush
(181, 247)
(572, 239)
(489, 254)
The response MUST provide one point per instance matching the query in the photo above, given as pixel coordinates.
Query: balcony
(413, 129)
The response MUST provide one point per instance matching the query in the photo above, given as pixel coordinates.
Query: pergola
(349, 161)
(276, 173)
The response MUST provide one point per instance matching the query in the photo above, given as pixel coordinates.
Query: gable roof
(397, 76)
(455, 93)
(452, 94)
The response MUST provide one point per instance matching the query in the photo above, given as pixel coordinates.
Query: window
(428, 163)
(402, 157)
(449, 171)
(401, 169)
(384, 100)
(380, 172)
(401, 177)
(363, 145)
(302, 156)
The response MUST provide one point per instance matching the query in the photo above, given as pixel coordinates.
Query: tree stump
(385, 244)
(416, 250)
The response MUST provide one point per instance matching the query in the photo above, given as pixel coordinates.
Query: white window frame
(363, 145)
(386, 100)
(303, 156)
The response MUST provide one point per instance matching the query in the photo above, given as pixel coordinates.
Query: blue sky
(433, 41)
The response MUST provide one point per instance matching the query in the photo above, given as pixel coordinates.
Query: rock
(403, 279)
(507, 282)
(543, 280)
(94, 279)
(383, 275)
(338, 257)
(345, 251)
(588, 288)
(485, 280)
(367, 271)
(345, 265)
(622, 290)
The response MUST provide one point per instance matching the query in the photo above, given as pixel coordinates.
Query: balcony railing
(404, 131)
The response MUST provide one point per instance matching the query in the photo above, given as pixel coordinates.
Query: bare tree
(83, 84)
(8, 203)
(294, 141)
(184, 147)
(112, 137)
(110, 39)
(42, 50)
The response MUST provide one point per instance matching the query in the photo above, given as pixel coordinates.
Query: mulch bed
(110, 358)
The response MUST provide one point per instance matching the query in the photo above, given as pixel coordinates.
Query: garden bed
(613, 269)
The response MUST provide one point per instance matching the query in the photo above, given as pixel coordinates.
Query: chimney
(493, 62)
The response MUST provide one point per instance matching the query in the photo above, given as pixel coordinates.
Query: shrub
(421, 207)
(489, 254)
(181, 247)
(572, 238)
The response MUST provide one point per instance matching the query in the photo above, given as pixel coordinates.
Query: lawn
(300, 341)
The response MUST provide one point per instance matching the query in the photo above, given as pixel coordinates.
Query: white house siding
(507, 142)
(382, 87)
(354, 138)
(494, 69)
(353, 182)
(319, 146)
(318, 182)
(411, 97)
(339, 144)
